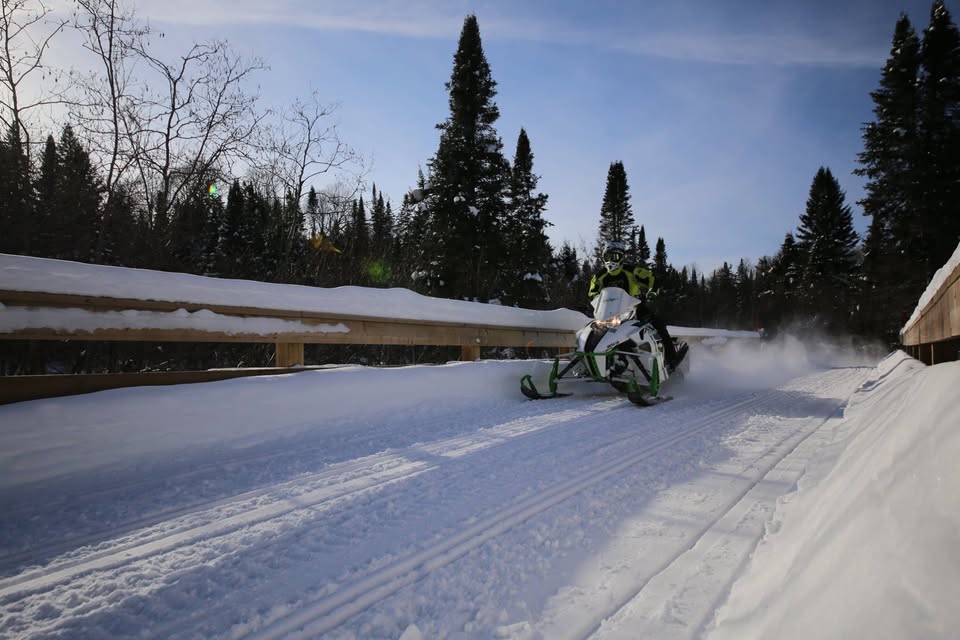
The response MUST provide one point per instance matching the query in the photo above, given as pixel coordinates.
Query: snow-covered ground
(785, 492)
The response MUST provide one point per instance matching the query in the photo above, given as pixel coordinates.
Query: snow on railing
(932, 333)
(44, 299)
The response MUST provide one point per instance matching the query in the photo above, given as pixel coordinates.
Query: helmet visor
(613, 255)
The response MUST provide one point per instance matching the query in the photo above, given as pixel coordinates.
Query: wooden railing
(288, 330)
(933, 335)
(294, 328)
(57, 300)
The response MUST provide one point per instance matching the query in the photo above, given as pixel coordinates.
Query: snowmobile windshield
(613, 304)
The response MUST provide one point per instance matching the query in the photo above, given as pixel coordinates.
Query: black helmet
(613, 255)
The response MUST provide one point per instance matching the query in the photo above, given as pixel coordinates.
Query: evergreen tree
(210, 240)
(765, 293)
(254, 259)
(314, 222)
(890, 163)
(722, 298)
(661, 267)
(828, 240)
(666, 281)
(381, 227)
(528, 250)
(468, 181)
(643, 248)
(16, 195)
(745, 296)
(616, 214)
(688, 310)
(46, 233)
(789, 276)
(77, 207)
(412, 249)
(230, 248)
(184, 245)
(288, 241)
(359, 241)
(120, 234)
(939, 126)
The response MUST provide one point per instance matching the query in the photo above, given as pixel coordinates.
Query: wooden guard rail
(934, 336)
(351, 329)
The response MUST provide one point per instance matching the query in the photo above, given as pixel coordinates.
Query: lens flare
(378, 272)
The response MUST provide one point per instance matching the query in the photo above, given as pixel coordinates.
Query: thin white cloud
(416, 20)
(429, 19)
(787, 49)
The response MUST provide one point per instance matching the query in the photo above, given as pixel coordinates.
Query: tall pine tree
(469, 179)
(528, 250)
(16, 194)
(890, 162)
(616, 214)
(827, 238)
(45, 235)
(939, 125)
(78, 200)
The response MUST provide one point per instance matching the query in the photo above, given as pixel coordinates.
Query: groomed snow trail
(491, 517)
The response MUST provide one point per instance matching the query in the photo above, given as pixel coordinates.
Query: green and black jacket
(634, 279)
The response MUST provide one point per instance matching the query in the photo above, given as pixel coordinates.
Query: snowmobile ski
(530, 390)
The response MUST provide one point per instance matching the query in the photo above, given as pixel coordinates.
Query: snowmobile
(618, 348)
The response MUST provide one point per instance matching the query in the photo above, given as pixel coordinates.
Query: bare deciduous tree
(115, 38)
(200, 122)
(172, 124)
(305, 144)
(22, 55)
(334, 206)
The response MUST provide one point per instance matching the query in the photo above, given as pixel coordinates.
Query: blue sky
(721, 112)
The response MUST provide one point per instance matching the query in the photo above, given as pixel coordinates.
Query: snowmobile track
(18, 561)
(365, 474)
(328, 612)
(772, 458)
(209, 525)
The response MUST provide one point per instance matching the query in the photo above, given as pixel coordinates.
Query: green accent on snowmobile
(552, 381)
(655, 379)
(590, 357)
(530, 390)
(639, 392)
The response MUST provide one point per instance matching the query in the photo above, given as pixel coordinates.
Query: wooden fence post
(289, 354)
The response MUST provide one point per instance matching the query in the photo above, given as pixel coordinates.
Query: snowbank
(866, 547)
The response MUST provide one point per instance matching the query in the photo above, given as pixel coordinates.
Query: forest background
(174, 166)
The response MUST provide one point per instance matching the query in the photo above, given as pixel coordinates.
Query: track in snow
(319, 552)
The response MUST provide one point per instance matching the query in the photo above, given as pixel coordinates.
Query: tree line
(182, 171)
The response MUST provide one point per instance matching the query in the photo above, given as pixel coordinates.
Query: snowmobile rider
(637, 281)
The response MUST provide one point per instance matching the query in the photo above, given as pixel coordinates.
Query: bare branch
(26, 32)
(303, 146)
(200, 121)
(114, 36)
